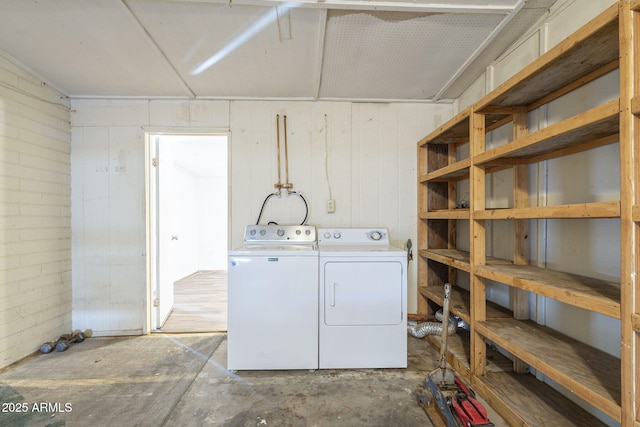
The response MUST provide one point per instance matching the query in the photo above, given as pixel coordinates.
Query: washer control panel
(296, 234)
(353, 236)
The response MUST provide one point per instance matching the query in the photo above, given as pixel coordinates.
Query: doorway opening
(188, 231)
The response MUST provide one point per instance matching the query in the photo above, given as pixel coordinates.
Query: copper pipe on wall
(287, 184)
(279, 184)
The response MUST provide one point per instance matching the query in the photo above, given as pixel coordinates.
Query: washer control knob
(298, 232)
(327, 235)
(307, 232)
(375, 235)
(337, 235)
(252, 232)
(280, 232)
(263, 232)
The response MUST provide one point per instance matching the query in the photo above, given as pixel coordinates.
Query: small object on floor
(64, 345)
(48, 347)
(64, 341)
(445, 398)
(442, 376)
(465, 406)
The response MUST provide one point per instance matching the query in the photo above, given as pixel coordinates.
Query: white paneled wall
(35, 224)
(363, 153)
(108, 181)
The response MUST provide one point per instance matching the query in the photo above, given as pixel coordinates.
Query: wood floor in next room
(200, 303)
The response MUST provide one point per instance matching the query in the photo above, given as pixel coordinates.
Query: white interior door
(188, 212)
(162, 241)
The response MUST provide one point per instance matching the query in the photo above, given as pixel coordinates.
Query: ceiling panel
(242, 51)
(85, 47)
(262, 49)
(403, 55)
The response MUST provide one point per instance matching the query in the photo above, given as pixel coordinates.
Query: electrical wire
(264, 204)
(306, 208)
(297, 193)
(326, 155)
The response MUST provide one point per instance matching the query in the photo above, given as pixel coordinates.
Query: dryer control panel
(353, 236)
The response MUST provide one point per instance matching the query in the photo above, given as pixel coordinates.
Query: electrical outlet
(331, 206)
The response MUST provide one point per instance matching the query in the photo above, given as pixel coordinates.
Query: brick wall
(35, 219)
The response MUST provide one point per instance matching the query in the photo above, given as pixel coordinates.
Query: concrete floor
(181, 380)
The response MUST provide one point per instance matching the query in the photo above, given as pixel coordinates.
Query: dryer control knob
(337, 235)
(327, 235)
(263, 232)
(280, 232)
(375, 235)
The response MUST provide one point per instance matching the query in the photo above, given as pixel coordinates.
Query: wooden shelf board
(524, 401)
(458, 354)
(592, 294)
(455, 130)
(583, 128)
(461, 303)
(578, 210)
(457, 258)
(635, 322)
(455, 171)
(589, 48)
(451, 257)
(591, 374)
(635, 213)
(635, 105)
(446, 214)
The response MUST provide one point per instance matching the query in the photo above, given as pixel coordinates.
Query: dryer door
(362, 293)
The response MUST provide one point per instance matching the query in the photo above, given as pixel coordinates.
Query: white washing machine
(273, 299)
(363, 300)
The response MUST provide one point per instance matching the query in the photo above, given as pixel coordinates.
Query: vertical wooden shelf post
(478, 246)
(519, 297)
(629, 19)
(453, 197)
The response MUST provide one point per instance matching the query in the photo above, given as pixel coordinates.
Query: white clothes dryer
(273, 299)
(363, 300)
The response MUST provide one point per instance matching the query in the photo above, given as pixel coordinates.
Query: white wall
(108, 215)
(212, 223)
(371, 163)
(183, 201)
(586, 247)
(35, 224)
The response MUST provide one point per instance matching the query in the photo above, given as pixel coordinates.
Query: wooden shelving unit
(455, 156)
(630, 209)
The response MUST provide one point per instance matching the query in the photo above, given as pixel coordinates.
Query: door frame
(151, 200)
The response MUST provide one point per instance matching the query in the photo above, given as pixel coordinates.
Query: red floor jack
(454, 403)
(465, 406)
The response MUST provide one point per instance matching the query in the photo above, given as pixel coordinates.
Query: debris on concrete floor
(181, 379)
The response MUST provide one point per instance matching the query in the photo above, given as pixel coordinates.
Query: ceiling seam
(16, 62)
(375, 5)
(320, 55)
(480, 49)
(157, 48)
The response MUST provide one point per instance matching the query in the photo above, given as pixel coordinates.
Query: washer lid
(275, 249)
